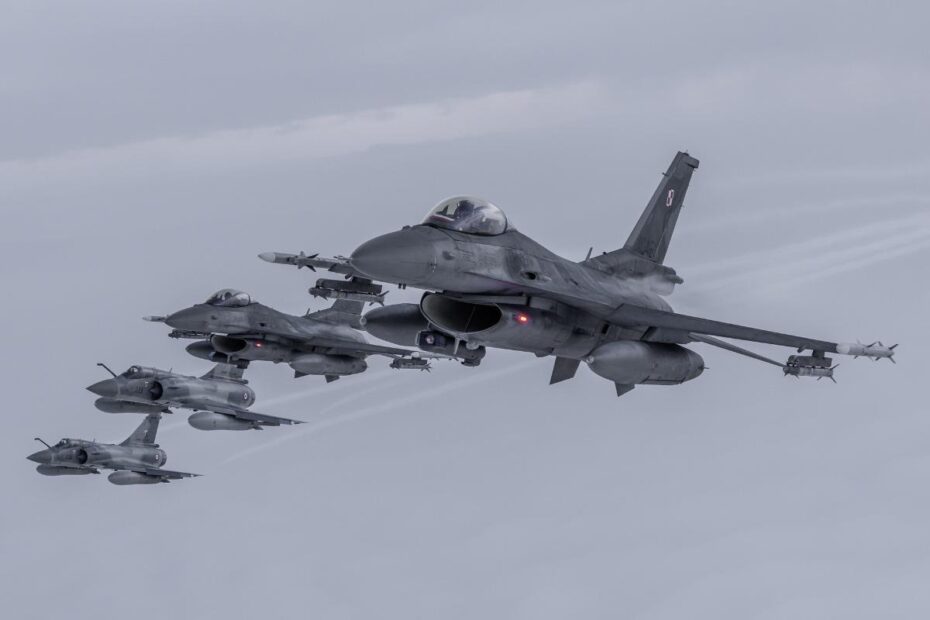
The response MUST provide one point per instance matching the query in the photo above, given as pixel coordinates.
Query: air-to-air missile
(874, 351)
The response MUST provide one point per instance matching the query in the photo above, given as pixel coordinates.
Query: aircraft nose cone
(105, 388)
(404, 257)
(43, 457)
(188, 319)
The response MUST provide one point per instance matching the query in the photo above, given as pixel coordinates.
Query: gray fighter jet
(489, 285)
(235, 329)
(137, 460)
(220, 398)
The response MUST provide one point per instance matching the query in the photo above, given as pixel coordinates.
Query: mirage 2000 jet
(488, 285)
(136, 460)
(220, 398)
(237, 330)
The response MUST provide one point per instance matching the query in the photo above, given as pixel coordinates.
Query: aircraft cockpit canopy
(137, 372)
(229, 298)
(467, 214)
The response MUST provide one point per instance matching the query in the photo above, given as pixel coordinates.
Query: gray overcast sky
(151, 150)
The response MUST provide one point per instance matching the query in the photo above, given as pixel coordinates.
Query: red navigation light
(259, 344)
(522, 318)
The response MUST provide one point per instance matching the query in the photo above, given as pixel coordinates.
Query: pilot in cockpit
(229, 297)
(468, 215)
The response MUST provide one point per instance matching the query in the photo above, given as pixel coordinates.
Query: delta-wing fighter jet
(220, 399)
(233, 328)
(488, 285)
(137, 460)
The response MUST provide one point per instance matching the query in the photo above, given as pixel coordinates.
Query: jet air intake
(228, 344)
(506, 326)
(459, 317)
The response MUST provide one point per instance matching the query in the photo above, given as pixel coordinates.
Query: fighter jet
(488, 285)
(137, 460)
(235, 329)
(220, 398)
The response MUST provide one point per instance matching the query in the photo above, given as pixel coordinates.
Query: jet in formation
(485, 285)
(220, 399)
(488, 285)
(232, 328)
(137, 460)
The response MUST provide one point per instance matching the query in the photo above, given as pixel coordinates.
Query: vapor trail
(891, 253)
(810, 268)
(850, 236)
(743, 218)
(353, 383)
(909, 234)
(383, 407)
(373, 387)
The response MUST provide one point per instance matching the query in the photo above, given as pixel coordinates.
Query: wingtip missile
(298, 260)
(874, 351)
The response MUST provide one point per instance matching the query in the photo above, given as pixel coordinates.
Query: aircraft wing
(165, 474)
(637, 316)
(254, 416)
(667, 326)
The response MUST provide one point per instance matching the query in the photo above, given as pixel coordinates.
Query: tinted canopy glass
(468, 214)
(138, 372)
(229, 297)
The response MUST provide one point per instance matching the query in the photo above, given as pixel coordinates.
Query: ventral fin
(623, 388)
(563, 369)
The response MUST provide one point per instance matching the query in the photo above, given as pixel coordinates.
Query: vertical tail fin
(145, 433)
(653, 231)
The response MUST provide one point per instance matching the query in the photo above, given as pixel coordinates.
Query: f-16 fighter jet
(220, 398)
(488, 285)
(237, 330)
(137, 460)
